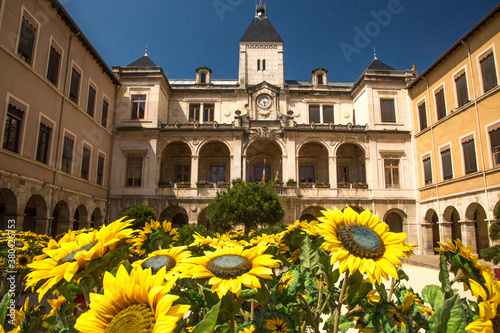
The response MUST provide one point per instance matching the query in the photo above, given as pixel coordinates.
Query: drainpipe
(49, 230)
(108, 202)
(485, 183)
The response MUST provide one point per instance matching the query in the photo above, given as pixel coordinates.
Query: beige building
(456, 117)
(57, 105)
(353, 137)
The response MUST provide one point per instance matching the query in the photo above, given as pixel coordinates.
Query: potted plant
(360, 185)
(276, 183)
(291, 182)
(204, 184)
(322, 184)
(222, 184)
(343, 185)
(165, 184)
(306, 184)
(183, 184)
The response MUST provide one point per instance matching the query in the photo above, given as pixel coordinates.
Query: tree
(141, 214)
(250, 204)
(493, 253)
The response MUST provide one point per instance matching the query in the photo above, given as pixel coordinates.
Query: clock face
(264, 101)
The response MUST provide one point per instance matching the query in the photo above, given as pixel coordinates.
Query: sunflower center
(19, 243)
(229, 266)
(361, 241)
(23, 261)
(157, 262)
(134, 319)
(72, 255)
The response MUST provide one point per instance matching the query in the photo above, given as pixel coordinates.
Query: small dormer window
(319, 76)
(203, 75)
(258, 64)
(264, 64)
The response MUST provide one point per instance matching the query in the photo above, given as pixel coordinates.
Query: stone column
(42, 225)
(468, 229)
(368, 173)
(446, 232)
(332, 171)
(235, 162)
(20, 221)
(194, 170)
(244, 168)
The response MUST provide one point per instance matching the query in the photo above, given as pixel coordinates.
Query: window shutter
(427, 171)
(53, 70)
(328, 114)
(489, 73)
(314, 114)
(26, 40)
(423, 116)
(75, 86)
(440, 105)
(495, 138)
(469, 156)
(462, 93)
(388, 110)
(446, 160)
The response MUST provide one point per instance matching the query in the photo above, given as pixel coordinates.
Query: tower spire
(260, 9)
(146, 53)
(374, 53)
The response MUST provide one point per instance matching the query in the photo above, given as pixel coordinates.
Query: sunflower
(155, 236)
(285, 281)
(489, 295)
(216, 243)
(362, 242)
(249, 329)
(72, 252)
(228, 268)
(426, 311)
(132, 303)
(396, 318)
(22, 261)
(56, 304)
(21, 244)
(174, 260)
(464, 251)
(276, 325)
(484, 323)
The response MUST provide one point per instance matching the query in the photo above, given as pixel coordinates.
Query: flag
(264, 172)
(277, 172)
(250, 179)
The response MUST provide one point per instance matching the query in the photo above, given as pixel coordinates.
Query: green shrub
(141, 214)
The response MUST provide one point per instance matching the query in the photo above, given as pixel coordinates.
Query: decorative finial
(146, 54)
(260, 9)
(374, 53)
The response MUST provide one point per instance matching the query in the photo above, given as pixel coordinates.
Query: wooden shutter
(314, 114)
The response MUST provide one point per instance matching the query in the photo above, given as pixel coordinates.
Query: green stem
(341, 300)
(85, 295)
(309, 314)
(393, 283)
(231, 312)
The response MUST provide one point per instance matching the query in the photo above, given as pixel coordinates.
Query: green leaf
(308, 254)
(444, 277)
(208, 324)
(3, 308)
(449, 318)
(357, 293)
(433, 295)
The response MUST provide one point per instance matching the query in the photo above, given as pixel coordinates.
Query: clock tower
(261, 53)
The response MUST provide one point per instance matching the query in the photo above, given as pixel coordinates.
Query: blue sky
(187, 34)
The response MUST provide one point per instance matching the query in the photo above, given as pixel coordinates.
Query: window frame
(206, 107)
(53, 44)
(45, 158)
(105, 116)
(465, 139)
(319, 113)
(135, 166)
(86, 147)
(100, 154)
(193, 115)
(306, 173)
(393, 110)
(436, 91)
(443, 149)
(135, 110)
(391, 167)
(182, 173)
(32, 18)
(490, 128)
(267, 176)
(426, 180)
(324, 113)
(92, 86)
(24, 107)
(71, 137)
(421, 103)
(217, 173)
(481, 57)
(75, 68)
(457, 75)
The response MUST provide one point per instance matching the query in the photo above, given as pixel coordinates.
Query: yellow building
(456, 119)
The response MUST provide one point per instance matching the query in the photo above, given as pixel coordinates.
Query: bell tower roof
(261, 29)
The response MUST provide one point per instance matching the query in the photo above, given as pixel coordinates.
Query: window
(53, 67)
(446, 161)
(489, 72)
(203, 78)
(314, 114)
(320, 78)
(391, 173)
(440, 104)
(264, 64)
(91, 101)
(343, 174)
(27, 38)
(258, 173)
(74, 89)
(327, 114)
(462, 94)
(182, 173)
(13, 126)
(138, 106)
(194, 113)
(217, 173)
(85, 163)
(208, 113)
(469, 156)
(42, 151)
(104, 116)
(134, 171)
(67, 156)
(422, 115)
(258, 64)
(427, 171)
(306, 174)
(100, 169)
(495, 145)
(388, 110)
